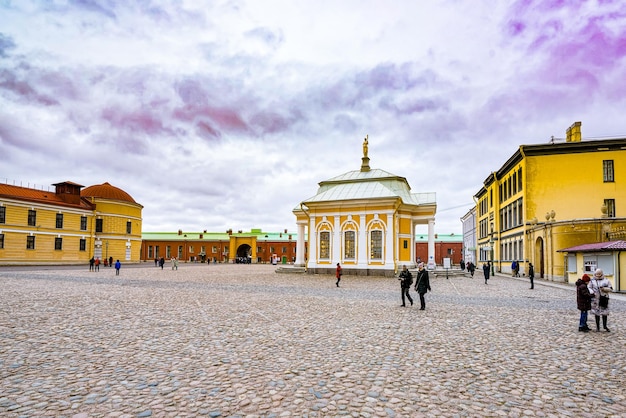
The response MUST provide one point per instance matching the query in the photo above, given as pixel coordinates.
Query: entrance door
(539, 256)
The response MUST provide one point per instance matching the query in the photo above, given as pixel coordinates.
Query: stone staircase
(290, 269)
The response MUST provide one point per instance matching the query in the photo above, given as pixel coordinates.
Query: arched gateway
(365, 220)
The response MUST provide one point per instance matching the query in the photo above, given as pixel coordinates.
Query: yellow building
(552, 196)
(69, 225)
(365, 220)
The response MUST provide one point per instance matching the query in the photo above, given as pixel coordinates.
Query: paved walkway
(243, 341)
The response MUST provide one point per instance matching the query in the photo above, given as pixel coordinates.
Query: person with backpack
(406, 280)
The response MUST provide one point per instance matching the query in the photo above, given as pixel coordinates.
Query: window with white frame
(349, 245)
(610, 207)
(376, 245)
(325, 245)
(607, 171)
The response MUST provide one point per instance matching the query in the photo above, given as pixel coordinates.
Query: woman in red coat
(338, 274)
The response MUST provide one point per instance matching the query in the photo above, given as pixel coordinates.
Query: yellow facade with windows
(364, 220)
(68, 225)
(548, 197)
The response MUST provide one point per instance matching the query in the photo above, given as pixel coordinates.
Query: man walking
(531, 275)
(406, 280)
(423, 284)
(117, 267)
(486, 271)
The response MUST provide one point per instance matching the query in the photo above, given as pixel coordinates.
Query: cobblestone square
(244, 341)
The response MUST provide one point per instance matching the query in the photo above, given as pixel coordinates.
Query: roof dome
(106, 191)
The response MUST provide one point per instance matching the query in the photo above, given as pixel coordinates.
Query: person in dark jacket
(486, 271)
(583, 301)
(422, 285)
(531, 275)
(471, 268)
(406, 280)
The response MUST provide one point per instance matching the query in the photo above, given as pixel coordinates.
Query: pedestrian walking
(531, 275)
(406, 280)
(338, 273)
(423, 284)
(462, 264)
(486, 271)
(471, 268)
(156, 261)
(583, 301)
(515, 268)
(161, 262)
(118, 265)
(110, 261)
(97, 264)
(600, 287)
(92, 262)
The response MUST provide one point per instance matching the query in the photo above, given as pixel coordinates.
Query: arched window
(376, 245)
(349, 245)
(325, 245)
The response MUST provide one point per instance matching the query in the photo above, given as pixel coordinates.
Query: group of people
(592, 294)
(422, 285)
(94, 264)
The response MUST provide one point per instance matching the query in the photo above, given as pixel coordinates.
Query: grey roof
(597, 246)
(373, 184)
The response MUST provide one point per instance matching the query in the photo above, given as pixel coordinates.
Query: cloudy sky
(227, 114)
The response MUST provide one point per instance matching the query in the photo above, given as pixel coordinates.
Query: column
(431, 243)
(413, 257)
(389, 241)
(362, 243)
(312, 243)
(336, 249)
(300, 245)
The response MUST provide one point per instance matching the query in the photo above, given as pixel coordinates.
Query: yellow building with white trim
(552, 196)
(365, 220)
(68, 225)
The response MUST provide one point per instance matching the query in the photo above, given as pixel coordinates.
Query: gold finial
(365, 164)
(365, 146)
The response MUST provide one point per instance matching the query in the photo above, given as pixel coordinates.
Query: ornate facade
(365, 220)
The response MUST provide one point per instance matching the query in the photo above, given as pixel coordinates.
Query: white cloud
(217, 115)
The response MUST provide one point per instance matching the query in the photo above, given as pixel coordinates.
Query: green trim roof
(373, 184)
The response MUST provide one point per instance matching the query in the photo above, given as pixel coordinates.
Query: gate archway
(244, 254)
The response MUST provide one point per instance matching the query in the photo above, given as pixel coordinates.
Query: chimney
(573, 133)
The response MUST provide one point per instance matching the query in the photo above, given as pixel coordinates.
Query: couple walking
(592, 294)
(422, 284)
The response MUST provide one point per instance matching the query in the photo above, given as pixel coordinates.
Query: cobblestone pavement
(244, 341)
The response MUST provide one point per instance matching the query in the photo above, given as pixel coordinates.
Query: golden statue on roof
(365, 146)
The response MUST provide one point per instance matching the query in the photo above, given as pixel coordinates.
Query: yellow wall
(571, 185)
(113, 238)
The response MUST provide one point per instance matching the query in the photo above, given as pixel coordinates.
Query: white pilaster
(362, 243)
(300, 245)
(431, 243)
(336, 255)
(389, 247)
(312, 261)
